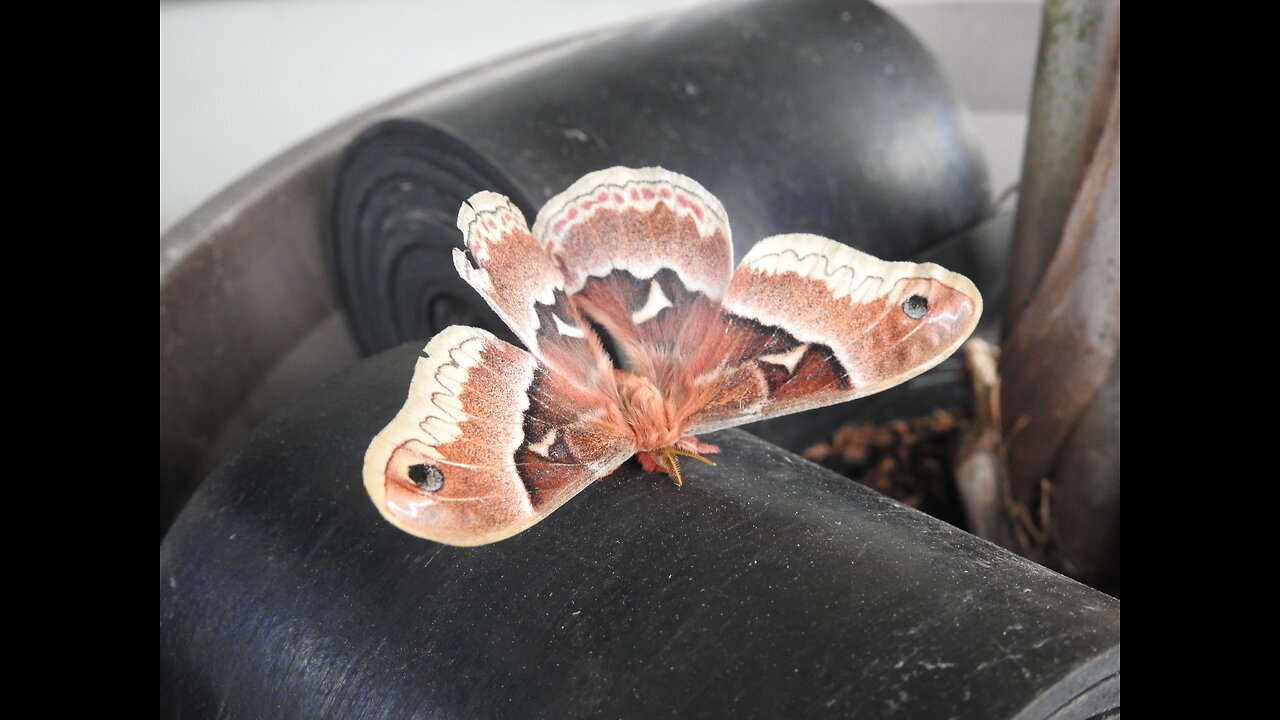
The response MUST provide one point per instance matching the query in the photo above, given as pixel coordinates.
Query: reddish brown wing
(488, 442)
(521, 281)
(809, 322)
(646, 253)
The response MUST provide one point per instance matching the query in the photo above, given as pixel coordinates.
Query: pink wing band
(639, 221)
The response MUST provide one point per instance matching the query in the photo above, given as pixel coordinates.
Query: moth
(493, 438)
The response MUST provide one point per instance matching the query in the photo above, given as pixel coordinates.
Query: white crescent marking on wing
(657, 302)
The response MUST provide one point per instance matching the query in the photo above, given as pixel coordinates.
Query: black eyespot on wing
(426, 477)
(915, 306)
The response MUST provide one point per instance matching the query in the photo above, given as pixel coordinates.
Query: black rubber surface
(766, 587)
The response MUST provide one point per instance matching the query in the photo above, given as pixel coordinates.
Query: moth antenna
(690, 453)
(672, 458)
(672, 455)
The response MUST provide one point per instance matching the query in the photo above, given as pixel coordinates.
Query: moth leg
(693, 444)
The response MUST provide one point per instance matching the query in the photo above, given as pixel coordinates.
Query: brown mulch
(908, 460)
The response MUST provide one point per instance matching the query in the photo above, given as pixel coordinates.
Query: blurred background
(243, 80)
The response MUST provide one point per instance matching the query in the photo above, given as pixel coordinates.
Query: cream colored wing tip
(483, 202)
(462, 264)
